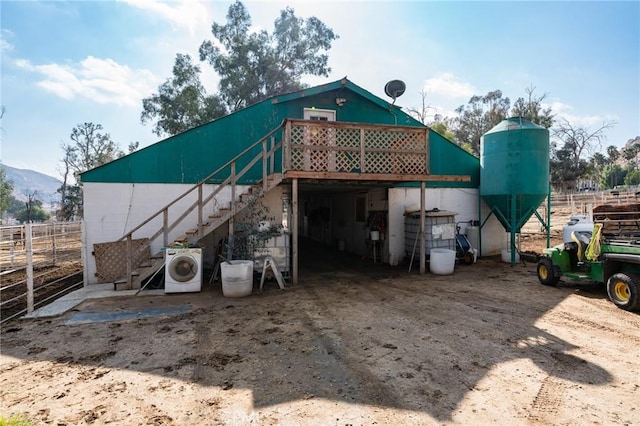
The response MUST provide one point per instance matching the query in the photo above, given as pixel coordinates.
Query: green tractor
(606, 251)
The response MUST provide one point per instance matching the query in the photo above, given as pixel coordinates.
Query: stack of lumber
(622, 219)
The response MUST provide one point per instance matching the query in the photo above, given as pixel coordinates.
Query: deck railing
(357, 148)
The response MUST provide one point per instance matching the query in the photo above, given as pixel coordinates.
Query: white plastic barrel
(506, 255)
(442, 261)
(237, 278)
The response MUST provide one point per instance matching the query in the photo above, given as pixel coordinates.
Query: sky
(67, 62)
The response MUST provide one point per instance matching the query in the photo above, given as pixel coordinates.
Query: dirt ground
(355, 343)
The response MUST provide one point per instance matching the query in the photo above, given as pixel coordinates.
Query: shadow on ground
(351, 331)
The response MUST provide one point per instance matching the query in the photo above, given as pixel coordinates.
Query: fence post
(12, 247)
(29, 250)
(53, 243)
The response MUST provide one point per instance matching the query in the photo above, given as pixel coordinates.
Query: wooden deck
(322, 150)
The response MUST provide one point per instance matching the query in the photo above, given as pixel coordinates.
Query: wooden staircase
(306, 150)
(134, 275)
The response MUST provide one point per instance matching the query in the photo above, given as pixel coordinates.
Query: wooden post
(422, 220)
(286, 148)
(233, 195)
(29, 253)
(200, 224)
(265, 186)
(294, 230)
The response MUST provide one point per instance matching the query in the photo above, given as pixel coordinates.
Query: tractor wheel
(547, 273)
(624, 291)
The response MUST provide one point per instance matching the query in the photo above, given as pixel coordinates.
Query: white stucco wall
(113, 209)
(463, 201)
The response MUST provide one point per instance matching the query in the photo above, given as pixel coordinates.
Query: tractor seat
(582, 239)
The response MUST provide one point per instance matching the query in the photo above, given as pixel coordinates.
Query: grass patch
(15, 420)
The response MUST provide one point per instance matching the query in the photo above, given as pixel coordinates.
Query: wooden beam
(422, 220)
(294, 231)
(296, 174)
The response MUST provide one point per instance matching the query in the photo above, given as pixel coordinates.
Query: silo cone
(514, 172)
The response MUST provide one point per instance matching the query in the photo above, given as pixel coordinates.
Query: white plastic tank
(578, 222)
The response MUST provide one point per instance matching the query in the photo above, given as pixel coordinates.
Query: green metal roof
(190, 156)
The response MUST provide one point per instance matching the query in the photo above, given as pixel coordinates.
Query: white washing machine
(183, 270)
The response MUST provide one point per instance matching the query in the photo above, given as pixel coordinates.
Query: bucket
(506, 256)
(237, 278)
(375, 235)
(442, 261)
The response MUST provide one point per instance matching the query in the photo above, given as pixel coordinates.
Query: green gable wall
(191, 156)
(447, 158)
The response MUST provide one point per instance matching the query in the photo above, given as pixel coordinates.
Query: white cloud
(190, 14)
(5, 46)
(101, 80)
(565, 111)
(447, 85)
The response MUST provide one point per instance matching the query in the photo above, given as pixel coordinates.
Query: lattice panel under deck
(111, 258)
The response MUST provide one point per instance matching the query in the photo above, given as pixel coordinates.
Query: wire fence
(38, 264)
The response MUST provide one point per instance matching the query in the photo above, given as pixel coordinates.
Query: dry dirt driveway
(353, 345)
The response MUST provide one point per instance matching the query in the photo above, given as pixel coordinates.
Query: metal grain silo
(514, 171)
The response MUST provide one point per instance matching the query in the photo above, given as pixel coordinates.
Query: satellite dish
(394, 89)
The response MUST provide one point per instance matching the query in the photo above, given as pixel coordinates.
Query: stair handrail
(203, 181)
(232, 179)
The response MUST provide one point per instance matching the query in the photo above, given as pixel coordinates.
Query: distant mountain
(631, 142)
(27, 182)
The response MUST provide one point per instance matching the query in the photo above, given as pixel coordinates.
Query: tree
(580, 140)
(31, 212)
(564, 170)
(612, 175)
(572, 143)
(70, 202)
(181, 102)
(532, 109)
(254, 66)
(613, 154)
(15, 206)
(478, 117)
(632, 178)
(597, 163)
(6, 188)
(89, 148)
(34, 214)
(423, 112)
